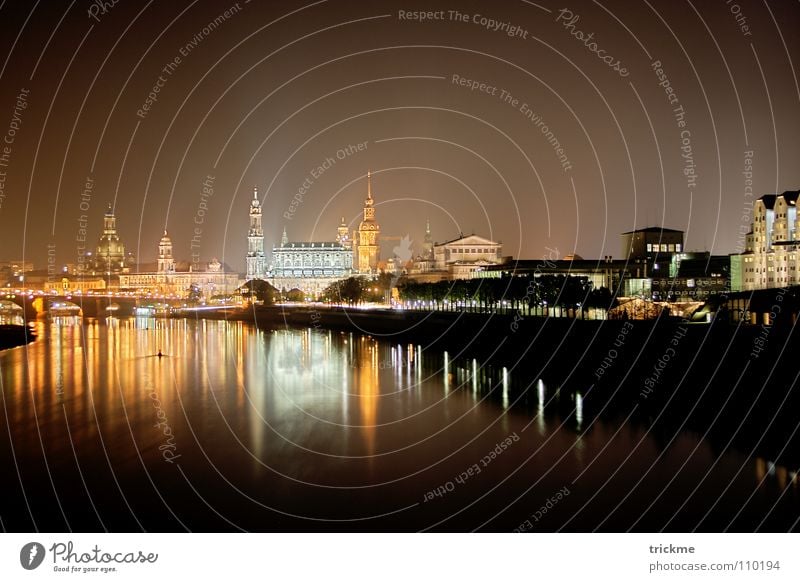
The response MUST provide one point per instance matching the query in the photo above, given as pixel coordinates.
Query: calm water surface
(245, 428)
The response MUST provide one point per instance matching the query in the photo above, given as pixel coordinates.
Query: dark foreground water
(241, 428)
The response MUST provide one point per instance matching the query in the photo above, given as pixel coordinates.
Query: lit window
(678, 248)
(671, 248)
(663, 248)
(649, 247)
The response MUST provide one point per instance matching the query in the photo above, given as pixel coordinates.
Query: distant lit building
(692, 277)
(343, 236)
(656, 268)
(650, 249)
(772, 247)
(427, 243)
(464, 255)
(109, 256)
(606, 273)
(75, 283)
(424, 262)
(168, 281)
(309, 266)
(12, 273)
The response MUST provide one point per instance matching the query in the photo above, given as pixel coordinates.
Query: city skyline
(238, 103)
(324, 267)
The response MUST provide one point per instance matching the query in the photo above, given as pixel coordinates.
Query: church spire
(284, 238)
(427, 242)
(255, 259)
(369, 187)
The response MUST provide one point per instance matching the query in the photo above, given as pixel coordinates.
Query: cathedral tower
(367, 250)
(343, 235)
(166, 264)
(256, 260)
(427, 243)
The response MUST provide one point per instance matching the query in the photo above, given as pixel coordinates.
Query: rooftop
(652, 229)
(311, 245)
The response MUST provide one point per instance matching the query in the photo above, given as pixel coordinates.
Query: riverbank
(12, 336)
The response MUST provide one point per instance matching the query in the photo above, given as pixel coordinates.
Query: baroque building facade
(169, 281)
(312, 266)
(308, 266)
(463, 256)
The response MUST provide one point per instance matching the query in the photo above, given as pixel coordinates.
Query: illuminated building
(109, 256)
(427, 243)
(170, 281)
(771, 247)
(343, 235)
(256, 260)
(424, 262)
(367, 251)
(309, 266)
(650, 249)
(462, 256)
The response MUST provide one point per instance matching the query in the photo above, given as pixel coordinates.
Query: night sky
(567, 137)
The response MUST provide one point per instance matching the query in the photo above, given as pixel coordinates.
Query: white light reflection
(446, 373)
(505, 387)
(419, 365)
(474, 378)
(540, 408)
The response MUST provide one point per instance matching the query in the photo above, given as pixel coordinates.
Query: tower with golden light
(367, 249)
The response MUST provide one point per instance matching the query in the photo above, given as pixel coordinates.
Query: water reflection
(277, 410)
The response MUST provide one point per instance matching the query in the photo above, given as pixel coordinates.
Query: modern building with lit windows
(770, 257)
(650, 249)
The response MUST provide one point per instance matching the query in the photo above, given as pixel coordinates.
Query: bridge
(85, 305)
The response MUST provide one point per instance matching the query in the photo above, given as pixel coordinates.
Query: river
(239, 428)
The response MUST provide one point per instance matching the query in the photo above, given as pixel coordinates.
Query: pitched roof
(768, 200)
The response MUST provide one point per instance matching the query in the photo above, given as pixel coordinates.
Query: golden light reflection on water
(330, 392)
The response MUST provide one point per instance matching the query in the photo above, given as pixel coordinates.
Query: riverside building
(772, 247)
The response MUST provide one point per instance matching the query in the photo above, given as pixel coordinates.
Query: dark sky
(269, 93)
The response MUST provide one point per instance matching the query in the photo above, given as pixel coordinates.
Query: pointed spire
(369, 185)
(255, 192)
(427, 226)
(284, 238)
